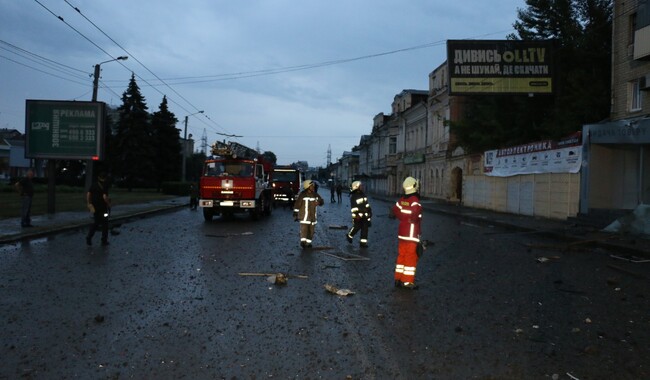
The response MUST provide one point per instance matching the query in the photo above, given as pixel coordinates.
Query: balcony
(642, 44)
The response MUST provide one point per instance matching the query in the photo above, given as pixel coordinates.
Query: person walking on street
(361, 214)
(194, 196)
(305, 212)
(99, 205)
(332, 192)
(408, 211)
(25, 188)
(339, 190)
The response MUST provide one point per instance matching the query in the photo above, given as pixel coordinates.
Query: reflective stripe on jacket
(359, 206)
(408, 211)
(305, 206)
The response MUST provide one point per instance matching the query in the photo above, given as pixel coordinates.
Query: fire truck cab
(286, 182)
(234, 183)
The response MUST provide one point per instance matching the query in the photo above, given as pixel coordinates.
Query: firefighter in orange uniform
(408, 211)
(304, 211)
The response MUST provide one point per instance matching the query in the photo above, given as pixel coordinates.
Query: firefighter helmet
(411, 185)
(355, 185)
(307, 183)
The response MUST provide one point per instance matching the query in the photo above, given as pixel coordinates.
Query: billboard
(500, 67)
(548, 156)
(64, 129)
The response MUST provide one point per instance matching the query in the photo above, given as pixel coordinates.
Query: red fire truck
(235, 180)
(285, 181)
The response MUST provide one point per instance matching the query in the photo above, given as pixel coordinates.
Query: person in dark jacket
(304, 211)
(408, 211)
(194, 196)
(25, 188)
(99, 205)
(361, 214)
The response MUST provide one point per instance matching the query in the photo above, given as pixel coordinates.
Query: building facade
(616, 154)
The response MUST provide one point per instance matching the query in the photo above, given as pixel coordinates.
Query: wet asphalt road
(166, 300)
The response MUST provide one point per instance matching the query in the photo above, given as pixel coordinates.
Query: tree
(195, 166)
(166, 139)
(133, 152)
(581, 30)
(270, 157)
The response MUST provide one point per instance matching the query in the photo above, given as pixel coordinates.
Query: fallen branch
(272, 274)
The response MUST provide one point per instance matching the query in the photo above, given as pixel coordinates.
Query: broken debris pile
(635, 223)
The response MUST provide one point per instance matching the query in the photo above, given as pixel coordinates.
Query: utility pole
(183, 169)
(89, 163)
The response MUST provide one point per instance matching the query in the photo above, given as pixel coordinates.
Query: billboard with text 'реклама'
(64, 129)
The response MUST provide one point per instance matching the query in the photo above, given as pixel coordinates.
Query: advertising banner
(564, 156)
(500, 67)
(64, 129)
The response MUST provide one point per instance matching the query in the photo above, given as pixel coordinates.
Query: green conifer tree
(133, 155)
(167, 144)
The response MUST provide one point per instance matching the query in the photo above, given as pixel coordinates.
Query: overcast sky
(291, 77)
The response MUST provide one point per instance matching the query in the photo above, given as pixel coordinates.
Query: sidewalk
(568, 234)
(48, 224)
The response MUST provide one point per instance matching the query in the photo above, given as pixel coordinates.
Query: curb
(71, 226)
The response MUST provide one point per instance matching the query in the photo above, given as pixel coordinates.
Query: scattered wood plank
(348, 256)
(271, 274)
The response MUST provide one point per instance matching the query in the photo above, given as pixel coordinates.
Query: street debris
(347, 256)
(571, 376)
(275, 278)
(543, 259)
(632, 259)
(337, 227)
(341, 292)
(635, 223)
(230, 235)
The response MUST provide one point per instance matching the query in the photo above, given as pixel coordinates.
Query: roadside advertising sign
(64, 129)
(492, 67)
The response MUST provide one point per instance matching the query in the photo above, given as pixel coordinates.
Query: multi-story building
(415, 140)
(347, 168)
(616, 176)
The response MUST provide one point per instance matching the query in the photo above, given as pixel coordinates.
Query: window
(392, 145)
(632, 29)
(635, 94)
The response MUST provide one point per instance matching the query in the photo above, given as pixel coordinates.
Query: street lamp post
(96, 74)
(184, 153)
(89, 163)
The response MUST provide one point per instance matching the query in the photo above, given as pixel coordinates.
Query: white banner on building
(564, 156)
